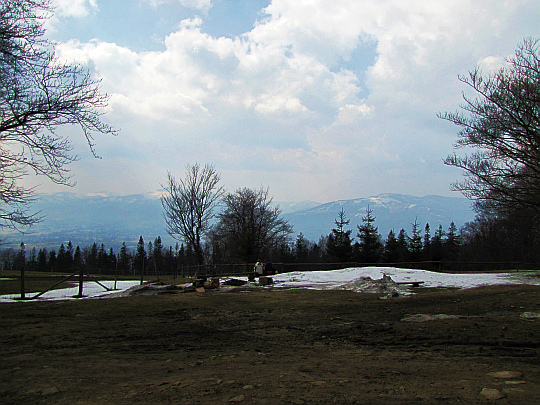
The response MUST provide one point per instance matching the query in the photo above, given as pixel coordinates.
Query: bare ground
(269, 346)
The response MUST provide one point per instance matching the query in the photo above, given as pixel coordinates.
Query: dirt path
(274, 347)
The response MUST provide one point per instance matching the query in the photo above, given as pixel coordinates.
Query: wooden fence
(439, 266)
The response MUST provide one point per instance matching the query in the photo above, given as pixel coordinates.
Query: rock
(318, 383)
(427, 317)
(50, 391)
(247, 387)
(506, 375)
(237, 399)
(530, 315)
(491, 394)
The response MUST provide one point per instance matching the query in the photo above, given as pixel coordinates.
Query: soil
(273, 346)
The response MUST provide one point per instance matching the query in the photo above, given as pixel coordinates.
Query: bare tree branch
(38, 95)
(189, 203)
(503, 125)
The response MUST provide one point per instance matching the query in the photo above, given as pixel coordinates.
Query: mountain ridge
(113, 219)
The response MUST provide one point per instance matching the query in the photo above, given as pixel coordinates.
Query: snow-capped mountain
(112, 220)
(391, 211)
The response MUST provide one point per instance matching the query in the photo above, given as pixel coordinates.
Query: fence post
(81, 280)
(23, 296)
(115, 274)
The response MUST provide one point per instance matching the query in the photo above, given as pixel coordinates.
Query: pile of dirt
(385, 286)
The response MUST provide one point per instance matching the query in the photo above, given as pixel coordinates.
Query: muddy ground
(269, 346)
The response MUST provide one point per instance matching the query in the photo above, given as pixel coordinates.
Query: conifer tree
(69, 256)
(451, 244)
(437, 244)
(301, 248)
(415, 243)
(426, 248)
(77, 258)
(20, 258)
(102, 258)
(61, 262)
(140, 257)
(111, 262)
(158, 256)
(391, 248)
(369, 239)
(403, 246)
(92, 259)
(42, 260)
(123, 260)
(52, 260)
(339, 243)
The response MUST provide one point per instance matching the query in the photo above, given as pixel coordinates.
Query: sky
(315, 99)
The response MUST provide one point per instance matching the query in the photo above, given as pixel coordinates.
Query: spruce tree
(415, 243)
(437, 244)
(111, 262)
(158, 256)
(451, 244)
(124, 260)
(52, 260)
(69, 256)
(140, 257)
(391, 248)
(61, 262)
(403, 246)
(301, 248)
(426, 248)
(339, 244)
(42, 260)
(20, 258)
(77, 259)
(369, 239)
(102, 259)
(92, 260)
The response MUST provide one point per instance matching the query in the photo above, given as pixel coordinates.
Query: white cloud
(69, 8)
(201, 5)
(74, 8)
(351, 113)
(491, 63)
(292, 91)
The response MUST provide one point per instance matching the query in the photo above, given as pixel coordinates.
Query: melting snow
(363, 279)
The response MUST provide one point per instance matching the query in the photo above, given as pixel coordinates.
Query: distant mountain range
(391, 211)
(112, 220)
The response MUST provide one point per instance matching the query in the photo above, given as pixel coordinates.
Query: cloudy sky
(316, 99)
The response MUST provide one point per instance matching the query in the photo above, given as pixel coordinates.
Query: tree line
(478, 241)
(155, 259)
(152, 258)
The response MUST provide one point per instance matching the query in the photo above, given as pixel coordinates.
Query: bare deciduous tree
(249, 226)
(38, 94)
(503, 124)
(189, 204)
